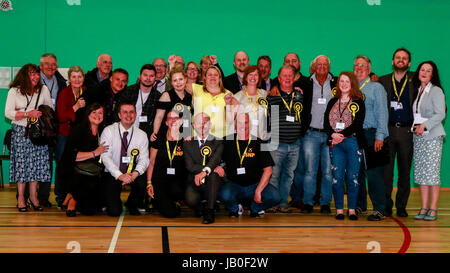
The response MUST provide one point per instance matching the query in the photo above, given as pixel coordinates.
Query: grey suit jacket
(432, 107)
(194, 160)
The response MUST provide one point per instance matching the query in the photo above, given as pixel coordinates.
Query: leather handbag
(88, 168)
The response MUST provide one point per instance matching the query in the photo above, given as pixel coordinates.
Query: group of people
(188, 134)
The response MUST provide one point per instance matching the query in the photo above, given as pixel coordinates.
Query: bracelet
(149, 182)
(149, 186)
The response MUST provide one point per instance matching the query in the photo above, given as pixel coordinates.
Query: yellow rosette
(298, 108)
(32, 120)
(205, 151)
(354, 108)
(179, 107)
(263, 102)
(134, 153)
(333, 91)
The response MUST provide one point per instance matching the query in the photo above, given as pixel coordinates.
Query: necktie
(202, 143)
(123, 152)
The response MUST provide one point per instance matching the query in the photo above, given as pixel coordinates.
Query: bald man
(233, 82)
(101, 72)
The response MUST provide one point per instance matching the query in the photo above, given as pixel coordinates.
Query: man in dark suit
(400, 96)
(233, 82)
(264, 65)
(202, 155)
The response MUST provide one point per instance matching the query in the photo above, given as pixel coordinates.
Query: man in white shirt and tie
(126, 161)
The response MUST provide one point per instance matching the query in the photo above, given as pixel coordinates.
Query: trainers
(284, 209)
(360, 211)
(240, 210)
(375, 216)
(255, 214)
(261, 212)
(307, 208)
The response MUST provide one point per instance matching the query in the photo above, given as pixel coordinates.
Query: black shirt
(254, 161)
(162, 161)
(405, 113)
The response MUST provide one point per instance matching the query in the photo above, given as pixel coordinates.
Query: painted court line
(112, 245)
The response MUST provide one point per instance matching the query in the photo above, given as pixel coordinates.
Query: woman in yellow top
(213, 99)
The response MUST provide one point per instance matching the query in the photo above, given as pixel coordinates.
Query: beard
(401, 69)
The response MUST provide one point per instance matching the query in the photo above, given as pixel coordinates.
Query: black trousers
(207, 191)
(113, 188)
(400, 143)
(167, 193)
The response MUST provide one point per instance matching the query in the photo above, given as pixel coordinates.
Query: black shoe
(134, 211)
(307, 208)
(233, 214)
(71, 213)
(36, 208)
(297, 204)
(325, 209)
(402, 212)
(388, 212)
(45, 203)
(23, 209)
(375, 216)
(255, 215)
(340, 216)
(209, 216)
(353, 217)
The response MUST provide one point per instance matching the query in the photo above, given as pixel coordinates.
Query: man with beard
(400, 96)
(233, 82)
(144, 97)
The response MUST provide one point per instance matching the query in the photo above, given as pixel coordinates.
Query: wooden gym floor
(51, 231)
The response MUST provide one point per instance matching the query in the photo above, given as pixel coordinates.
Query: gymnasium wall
(135, 32)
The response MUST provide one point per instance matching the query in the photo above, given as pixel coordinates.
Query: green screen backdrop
(135, 32)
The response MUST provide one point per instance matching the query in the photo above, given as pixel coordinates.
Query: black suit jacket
(263, 84)
(194, 160)
(232, 83)
(91, 77)
(386, 81)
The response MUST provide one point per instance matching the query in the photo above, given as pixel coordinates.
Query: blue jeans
(60, 195)
(232, 193)
(285, 158)
(375, 181)
(345, 160)
(315, 148)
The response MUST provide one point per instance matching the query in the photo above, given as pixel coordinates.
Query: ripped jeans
(345, 162)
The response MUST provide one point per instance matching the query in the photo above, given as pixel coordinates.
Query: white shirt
(16, 102)
(137, 139)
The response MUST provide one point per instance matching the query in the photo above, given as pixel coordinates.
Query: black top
(187, 111)
(162, 161)
(355, 129)
(254, 161)
(103, 94)
(91, 77)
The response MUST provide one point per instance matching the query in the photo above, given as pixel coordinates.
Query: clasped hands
(128, 178)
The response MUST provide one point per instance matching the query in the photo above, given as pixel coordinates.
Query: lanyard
(171, 156)
(289, 107)
(395, 87)
(341, 113)
(255, 105)
(364, 84)
(28, 101)
(81, 93)
(418, 99)
(241, 157)
(51, 87)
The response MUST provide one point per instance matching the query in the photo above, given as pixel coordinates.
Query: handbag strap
(37, 101)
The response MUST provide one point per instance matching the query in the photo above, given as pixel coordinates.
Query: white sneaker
(261, 212)
(240, 210)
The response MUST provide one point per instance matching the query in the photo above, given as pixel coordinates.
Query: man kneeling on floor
(248, 171)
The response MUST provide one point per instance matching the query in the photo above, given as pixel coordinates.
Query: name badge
(396, 105)
(340, 125)
(185, 123)
(142, 118)
(126, 159)
(255, 122)
(54, 102)
(215, 109)
(290, 118)
(171, 171)
(240, 170)
(322, 101)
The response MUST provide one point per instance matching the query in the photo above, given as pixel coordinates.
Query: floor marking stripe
(112, 246)
(406, 233)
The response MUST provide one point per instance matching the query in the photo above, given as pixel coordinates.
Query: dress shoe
(307, 208)
(209, 216)
(71, 213)
(325, 209)
(134, 211)
(388, 212)
(297, 204)
(402, 213)
(353, 217)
